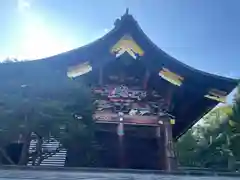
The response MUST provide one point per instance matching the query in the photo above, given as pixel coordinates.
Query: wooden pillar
(160, 154)
(146, 78)
(170, 160)
(169, 97)
(100, 80)
(121, 148)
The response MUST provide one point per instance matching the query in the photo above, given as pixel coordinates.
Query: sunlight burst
(39, 40)
(23, 5)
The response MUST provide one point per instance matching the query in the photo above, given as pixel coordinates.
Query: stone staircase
(55, 155)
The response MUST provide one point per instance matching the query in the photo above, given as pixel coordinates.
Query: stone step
(57, 159)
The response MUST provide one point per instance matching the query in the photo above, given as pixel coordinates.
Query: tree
(208, 141)
(34, 97)
(217, 138)
(78, 136)
(235, 125)
(186, 149)
(21, 116)
(44, 107)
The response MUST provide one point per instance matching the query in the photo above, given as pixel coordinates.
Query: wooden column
(160, 154)
(170, 160)
(146, 78)
(168, 146)
(100, 80)
(121, 148)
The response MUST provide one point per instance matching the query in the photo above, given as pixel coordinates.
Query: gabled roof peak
(125, 17)
(127, 11)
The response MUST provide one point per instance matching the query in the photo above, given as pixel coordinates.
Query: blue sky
(204, 34)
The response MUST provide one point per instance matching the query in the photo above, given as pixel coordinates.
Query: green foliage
(45, 108)
(235, 128)
(186, 147)
(214, 142)
(235, 116)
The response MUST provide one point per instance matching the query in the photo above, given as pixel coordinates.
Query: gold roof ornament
(172, 121)
(216, 95)
(127, 44)
(79, 70)
(171, 77)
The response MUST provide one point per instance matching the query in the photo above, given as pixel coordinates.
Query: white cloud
(106, 30)
(23, 5)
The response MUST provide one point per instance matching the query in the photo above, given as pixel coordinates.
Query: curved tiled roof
(190, 104)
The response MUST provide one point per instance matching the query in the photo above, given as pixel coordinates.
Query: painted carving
(124, 92)
(134, 103)
(171, 77)
(127, 44)
(79, 70)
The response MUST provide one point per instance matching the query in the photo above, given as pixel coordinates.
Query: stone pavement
(74, 175)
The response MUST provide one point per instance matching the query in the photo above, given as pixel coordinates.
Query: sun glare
(40, 41)
(39, 38)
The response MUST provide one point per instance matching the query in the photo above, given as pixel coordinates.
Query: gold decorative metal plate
(171, 77)
(79, 70)
(127, 44)
(172, 121)
(217, 95)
